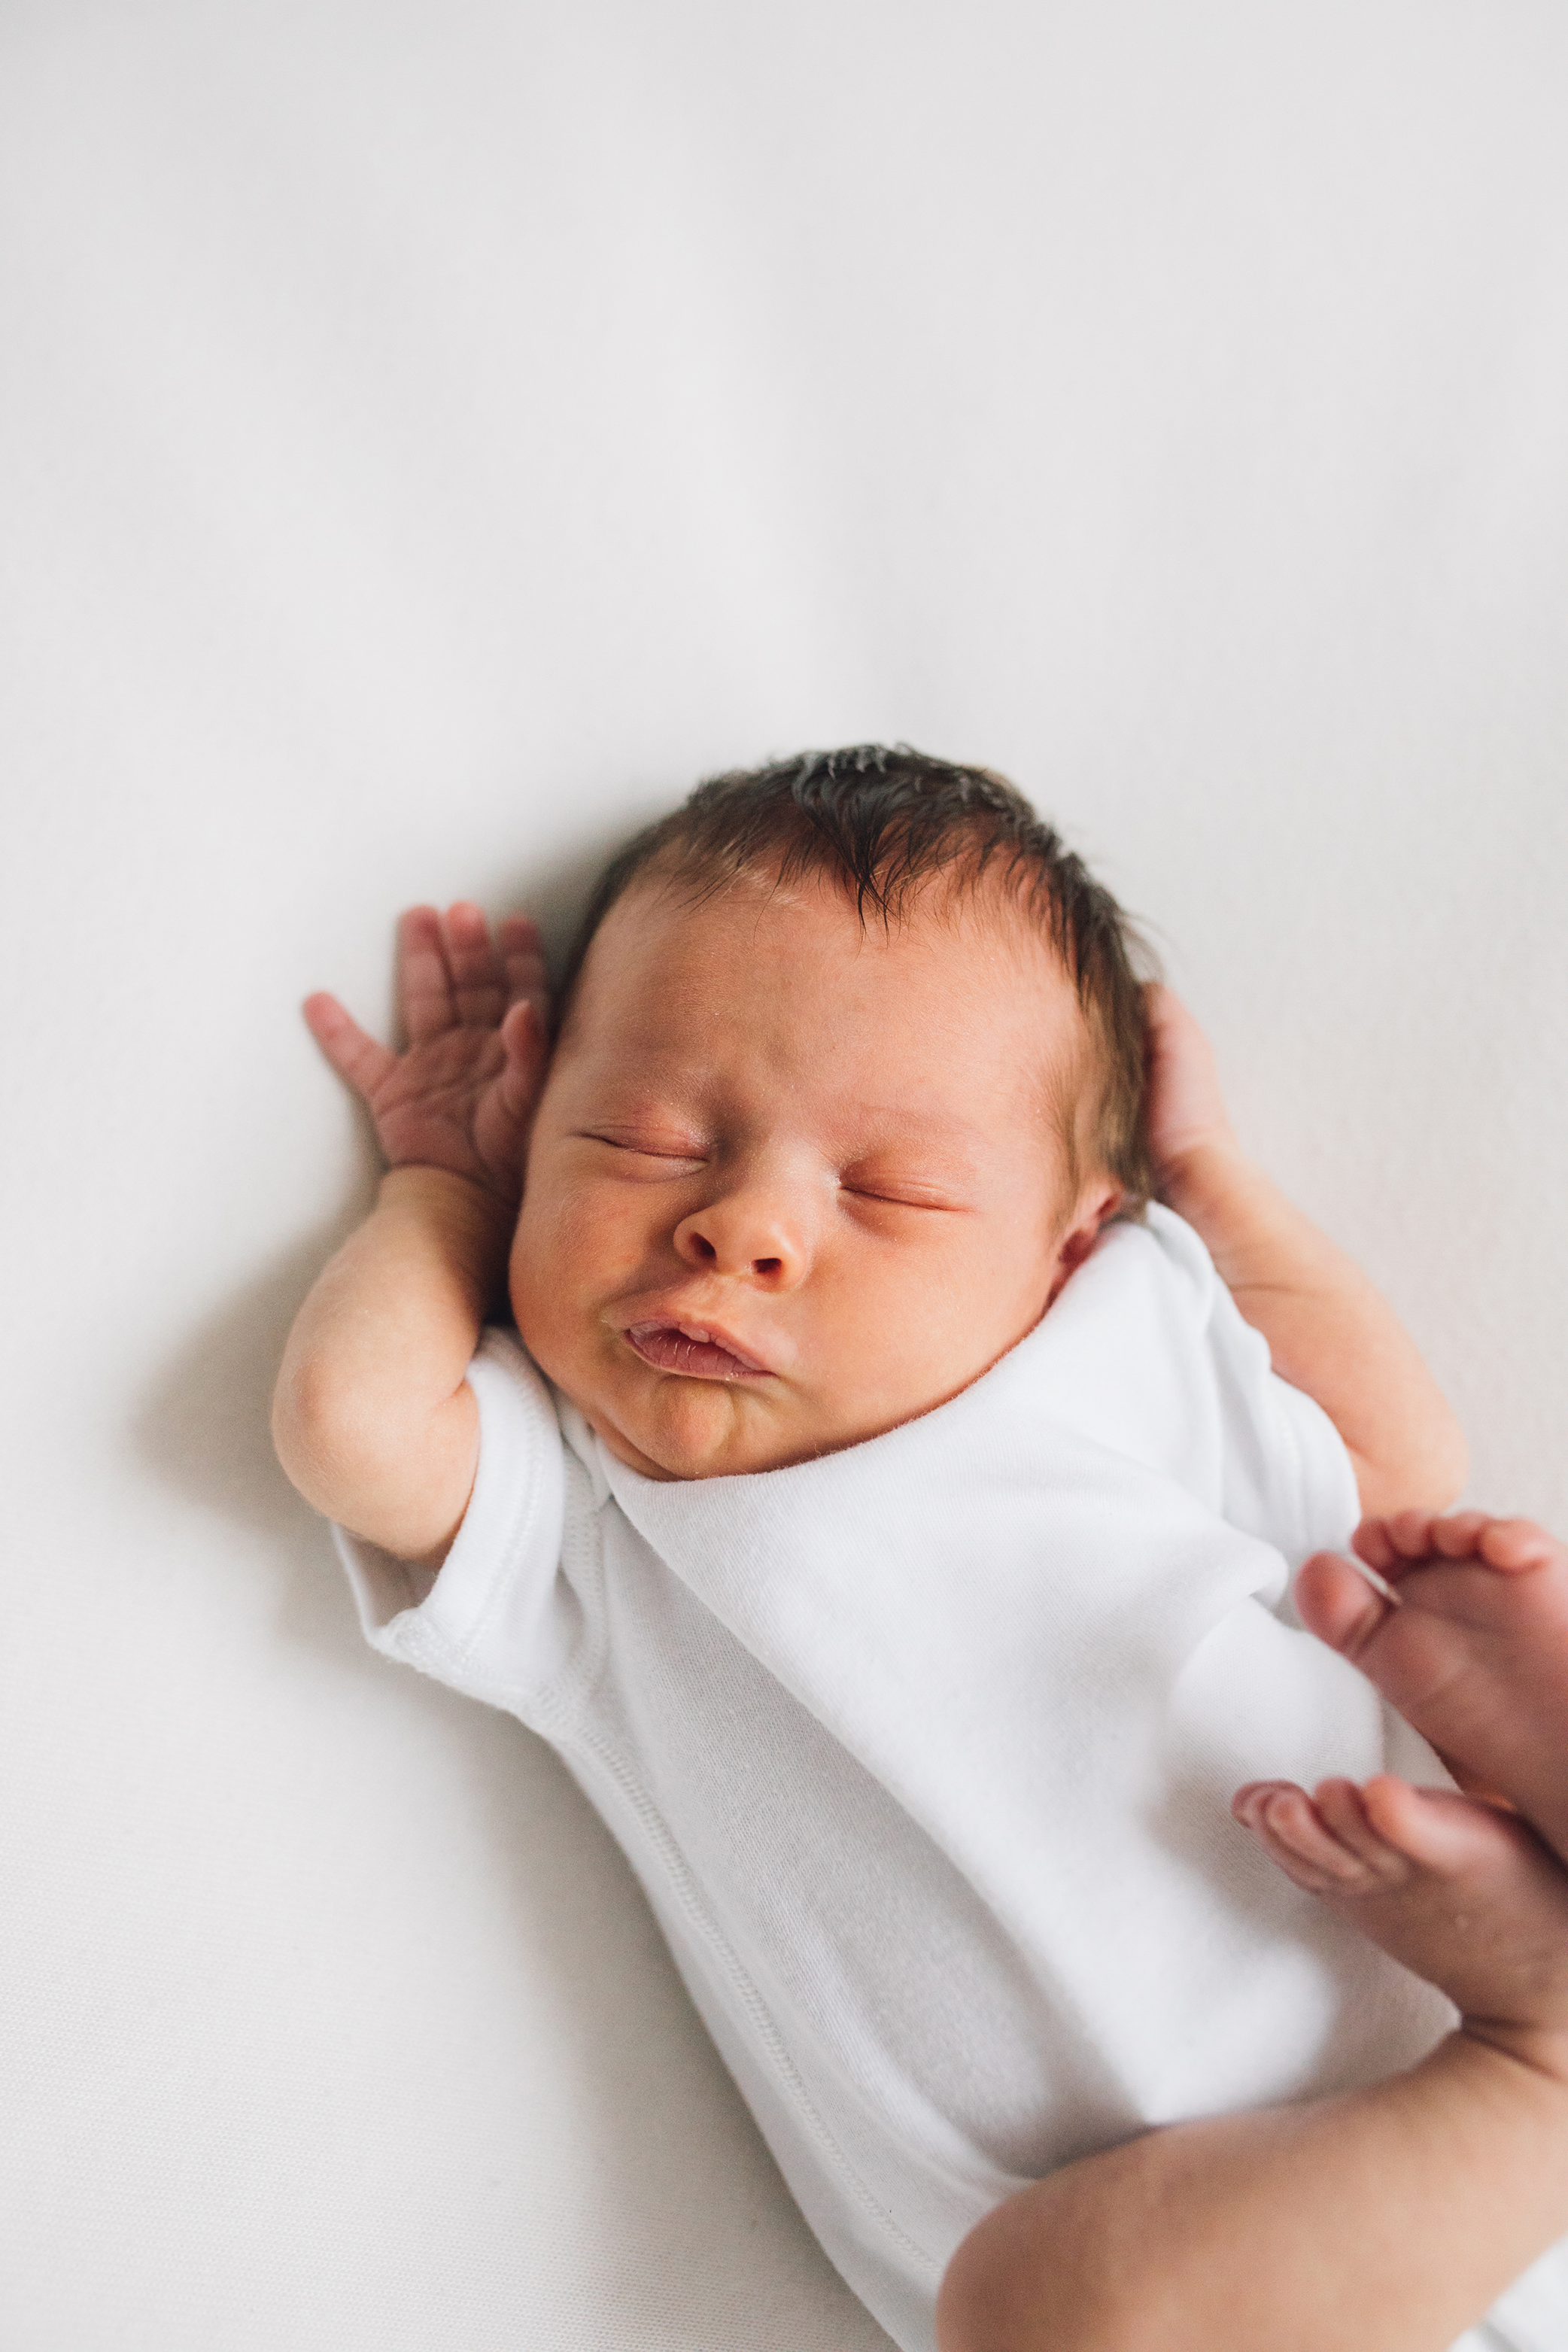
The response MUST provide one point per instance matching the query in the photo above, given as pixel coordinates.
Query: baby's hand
(461, 1095)
(1185, 1108)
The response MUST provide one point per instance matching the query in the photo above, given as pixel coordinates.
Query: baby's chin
(664, 1424)
(669, 1425)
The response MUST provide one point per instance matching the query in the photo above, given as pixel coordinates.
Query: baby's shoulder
(1153, 1261)
(1125, 1355)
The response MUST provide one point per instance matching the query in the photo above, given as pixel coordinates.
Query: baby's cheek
(574, 1250)
(538, 1277)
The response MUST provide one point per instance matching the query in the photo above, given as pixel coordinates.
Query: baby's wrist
(464, 1207)
(1203, 1177)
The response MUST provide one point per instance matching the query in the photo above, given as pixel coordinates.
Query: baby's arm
(1328, 1330)
(372, 1418)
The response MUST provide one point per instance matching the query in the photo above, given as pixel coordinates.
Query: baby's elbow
(401, 1479)
(324, 1438)
(289, 1426)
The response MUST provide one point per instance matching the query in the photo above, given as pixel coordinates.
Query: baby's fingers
(478, 989)
(526, 1051)
(355, 1056)
(423, 983)
(526, 982)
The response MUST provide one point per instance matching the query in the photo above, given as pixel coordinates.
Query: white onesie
(924, 1751)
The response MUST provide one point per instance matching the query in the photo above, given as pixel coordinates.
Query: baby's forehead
(977, 925)
(800, 955)
(962, 984)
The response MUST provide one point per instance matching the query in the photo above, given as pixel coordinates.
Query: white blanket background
(431, 435)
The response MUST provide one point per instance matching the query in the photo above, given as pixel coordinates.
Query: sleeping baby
(886, 1507)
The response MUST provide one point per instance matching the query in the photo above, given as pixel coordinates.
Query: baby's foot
(1462, 1893)
(1476, 1652)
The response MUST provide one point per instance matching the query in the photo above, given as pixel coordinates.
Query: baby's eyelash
(684, 1157)
(896, 1197)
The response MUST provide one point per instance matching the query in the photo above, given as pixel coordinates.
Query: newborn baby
(896, 1547)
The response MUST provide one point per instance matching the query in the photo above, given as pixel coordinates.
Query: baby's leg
(1475, 1653)
(1462, 1893)
(1387, 2217)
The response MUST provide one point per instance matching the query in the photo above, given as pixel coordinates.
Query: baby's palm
(461, 1096)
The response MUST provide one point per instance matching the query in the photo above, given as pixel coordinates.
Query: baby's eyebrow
(891, 1128)
(638, 1099)
(639, 1082)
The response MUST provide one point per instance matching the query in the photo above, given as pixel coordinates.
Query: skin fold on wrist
(419, 1178)
(1212, 1162)
(475, 1225)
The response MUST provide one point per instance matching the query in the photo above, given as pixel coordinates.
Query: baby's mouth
(692, 1349)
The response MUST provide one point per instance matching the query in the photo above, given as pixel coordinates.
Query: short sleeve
(1285, 1473)
(498, 1619)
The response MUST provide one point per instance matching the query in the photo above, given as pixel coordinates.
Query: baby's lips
(676, 1344)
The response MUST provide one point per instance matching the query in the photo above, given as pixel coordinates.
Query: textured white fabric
(922, 1751)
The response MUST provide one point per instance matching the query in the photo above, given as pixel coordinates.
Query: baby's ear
(1077, 1247)
(1099, 1203)
(1070, 1256)
(1084, 1235)
(1093, 1211)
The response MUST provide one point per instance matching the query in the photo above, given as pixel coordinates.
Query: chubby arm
(373, 1418)
(1328, 1330)
(1387, 2218)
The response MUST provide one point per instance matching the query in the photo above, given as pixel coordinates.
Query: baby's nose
(744, 1236)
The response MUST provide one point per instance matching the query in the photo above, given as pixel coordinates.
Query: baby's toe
(1457, 1534)
(1411, 1533)
(1373, 1543)
(1514, 1546)
(1337, 1601)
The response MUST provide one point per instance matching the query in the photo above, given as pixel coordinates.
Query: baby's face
(792, 1182)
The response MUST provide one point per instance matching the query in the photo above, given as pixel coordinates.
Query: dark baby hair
(882, 822)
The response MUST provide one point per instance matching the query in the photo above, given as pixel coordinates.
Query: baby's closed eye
(638, 1151)
(901, 1188)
